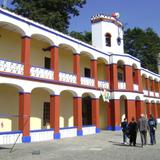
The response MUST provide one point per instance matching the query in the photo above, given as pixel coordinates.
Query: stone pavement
(104, 146)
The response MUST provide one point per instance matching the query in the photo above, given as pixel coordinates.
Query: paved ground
(104, 146)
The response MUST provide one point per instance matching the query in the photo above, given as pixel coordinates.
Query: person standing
(152, 127)
(124, 126)
(143, 127)
(132, 132)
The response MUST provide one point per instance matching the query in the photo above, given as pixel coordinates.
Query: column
(114, 119)
(147, 85)
(25, 55)
(128, 77)
(148, 106)
(153, 86)
(76, 67)
(54, 114)
(95, 114)
(154, 110)
(113, 77)
(94, 71)
(77, 111)
(139, 108)
(130, 109)
(138, 79)
(158, 110)
(55, 61)
(24, 116)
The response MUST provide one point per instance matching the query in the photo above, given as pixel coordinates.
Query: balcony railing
(11, 67)
(103, 84)
(135, 87)
(41, 72)
(156, 94)
(121, 85)
(145, 92)
(87, 81)
(151, 93)
(66, 77)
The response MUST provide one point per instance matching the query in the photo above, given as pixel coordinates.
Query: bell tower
(107, 33)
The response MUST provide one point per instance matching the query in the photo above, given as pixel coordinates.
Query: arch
(89, 94)
(13, 27)
(120, 63)
(50, 91)
(70, 91)
(120, 71)
(84, 53)
(42, 37)
(137, 98)
(123, 111)
(134, 66)
(20, 88)
(102, 60)
(66, 46)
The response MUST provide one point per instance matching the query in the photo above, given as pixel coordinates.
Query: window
(108, 39)
(46, 113)
(87, 72)
(120, 76)
(47, 63)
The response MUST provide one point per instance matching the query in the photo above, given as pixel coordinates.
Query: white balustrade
(145, 92)
(11, 67)
(156, 94)
(121, 85)
(41, 73)
(66, 77)
(89, 130)
(87, 81)
(10, 138)
(151, 93)
(69, 132)
(135, 87)
(103, 84)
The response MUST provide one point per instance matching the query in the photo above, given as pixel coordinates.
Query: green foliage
(143, 44)
(83, 36)
(53, 13)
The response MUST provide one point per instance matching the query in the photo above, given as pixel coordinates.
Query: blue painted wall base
(57, 136)
(79, 133)
(26, 139)
(113, 128)
(98, 130)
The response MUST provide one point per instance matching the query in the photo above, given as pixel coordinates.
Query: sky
(133, 13)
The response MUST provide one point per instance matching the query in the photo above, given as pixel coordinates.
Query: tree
(143, 44)
(83, 36)
(53, 13)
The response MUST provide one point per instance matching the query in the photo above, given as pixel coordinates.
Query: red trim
(94, 71)
(95, 112)
(76, 67)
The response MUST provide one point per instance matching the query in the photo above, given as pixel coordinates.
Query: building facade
(51, 83)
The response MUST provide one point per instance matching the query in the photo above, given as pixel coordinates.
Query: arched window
(108, 39)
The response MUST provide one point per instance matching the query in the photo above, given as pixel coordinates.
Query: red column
(77, 111)
(94, 71)
(130, 109)
(54, 114)
(139, 105)
(114, 109)
(24, 116)
(158, 110)
(76, 66)
(154, 110)
(95, 114)
(148, 106)
(55, 62)
(128, 77)
(113, 77)
(25, 55)
(147, 85)
(139, 79)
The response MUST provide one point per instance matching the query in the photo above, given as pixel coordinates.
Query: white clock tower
(107, 33)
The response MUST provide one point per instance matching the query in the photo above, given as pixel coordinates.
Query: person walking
(143, 127)
(152, 127)
(132, 127)
(124, 126)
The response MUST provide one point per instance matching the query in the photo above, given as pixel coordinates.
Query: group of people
(143, 125)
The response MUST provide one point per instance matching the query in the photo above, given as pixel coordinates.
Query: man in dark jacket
(143, 127)
(152, 127)
(124, 126)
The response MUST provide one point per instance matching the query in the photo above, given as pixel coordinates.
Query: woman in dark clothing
(132, 132)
